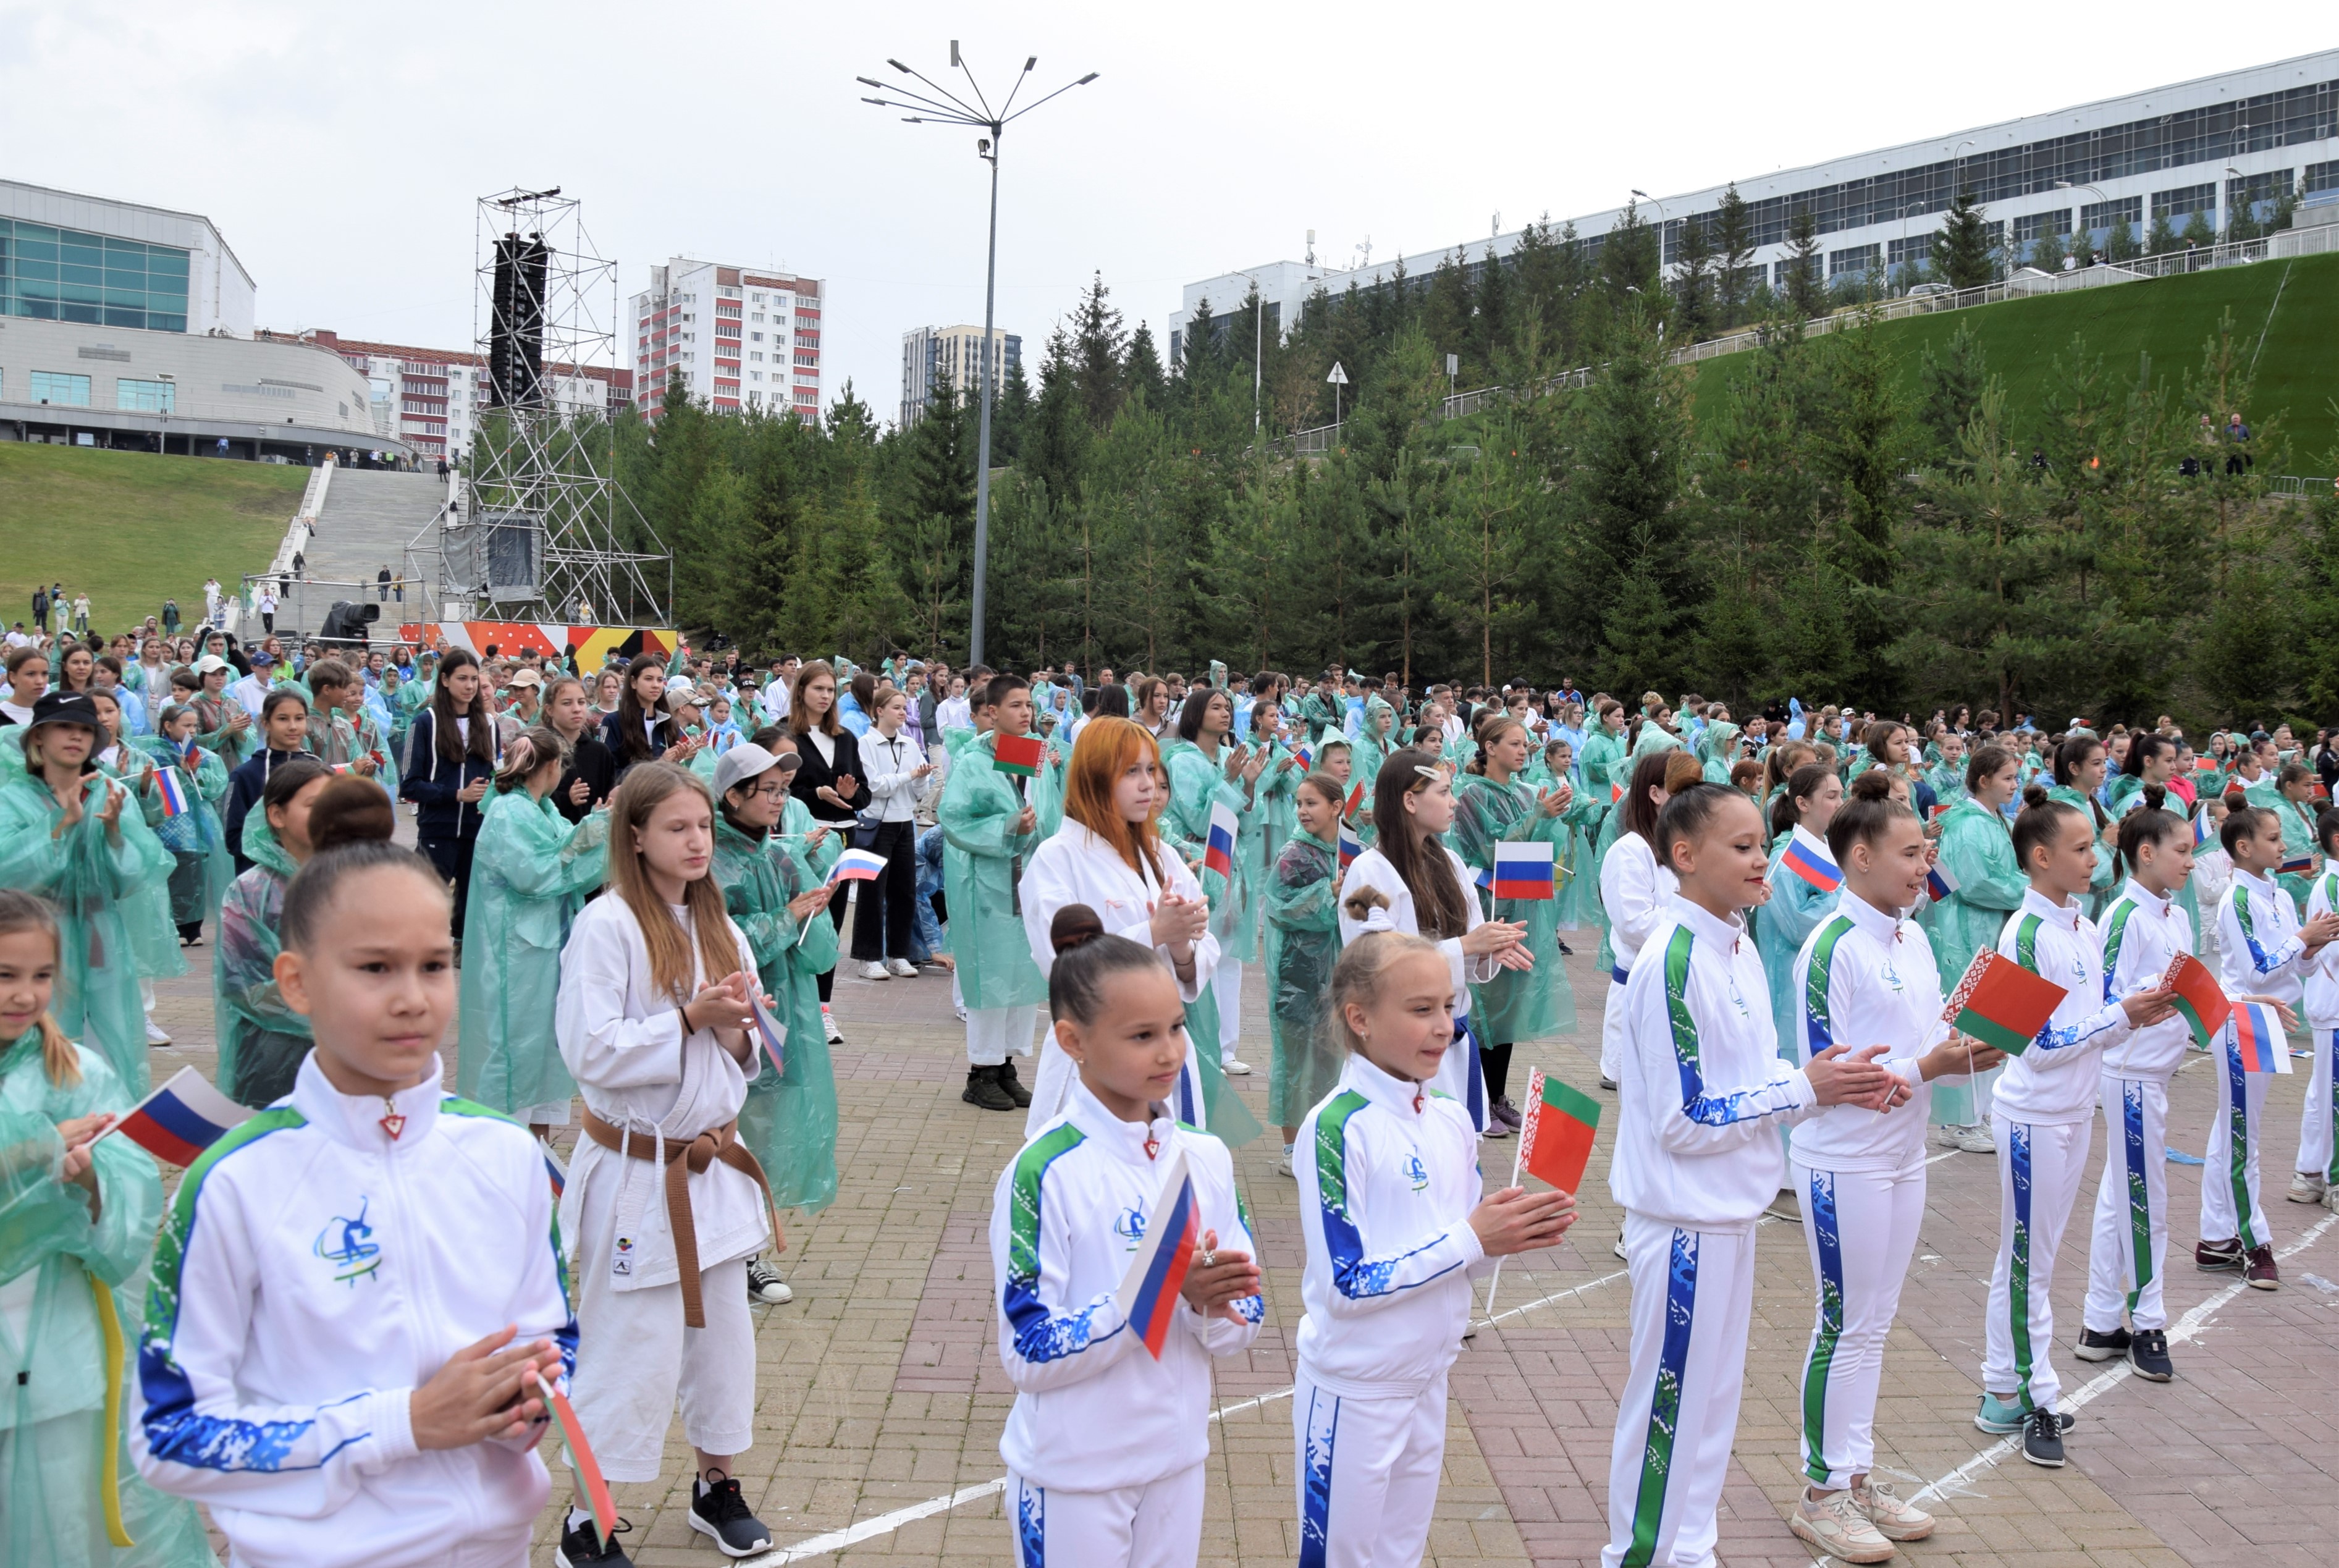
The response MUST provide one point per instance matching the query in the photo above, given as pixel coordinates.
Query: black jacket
(589, 760)
(244, 787)
(815, 775)
(436, 784)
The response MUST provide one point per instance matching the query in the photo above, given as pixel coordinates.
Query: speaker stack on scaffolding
(542, 530)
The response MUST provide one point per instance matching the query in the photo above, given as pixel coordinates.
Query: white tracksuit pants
(2230, 1178)
(1612, 1032)
(2316, 1155)
(2127, 1253)
(992, 1031)
(1860, 1228)
(1159, 1525)
(1368, 1472)
(1226, 983)
(2040, 1165)
(1692, 1300)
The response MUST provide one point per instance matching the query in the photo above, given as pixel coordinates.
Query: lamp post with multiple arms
(933, 104)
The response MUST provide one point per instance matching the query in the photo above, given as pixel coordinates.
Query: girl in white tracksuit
(2263, 947)
(1700, 1096)
(1425, 889)
(332, 1267)
(1396, 1227)
(2144, 931)
(2315, 1176)
(2041, 1115)
(1104, 1446)
(1865, 974)
(1635, 893)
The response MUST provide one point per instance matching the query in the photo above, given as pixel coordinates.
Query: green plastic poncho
(213, 719)
(100, 884)
(1654, 737)
(147, 909)
(1303, 942)
(1196, 784)
(1716, 742)
(789, 1121)
(1978, 848)
(63, 1274)
(1518, 1004)
(1947, 782)
(1370, 749)
(261, 1041)
(197, 840)
(531, 871)
(2297, 822)
(982, 856)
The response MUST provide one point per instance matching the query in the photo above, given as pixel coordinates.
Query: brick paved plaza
(881, 1396)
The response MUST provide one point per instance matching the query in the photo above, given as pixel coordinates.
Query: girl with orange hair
(1109, 856)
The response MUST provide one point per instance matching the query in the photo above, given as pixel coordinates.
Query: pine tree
(2046, 254)
(1199, 353)
(1963, 255)
(1055, 438)
(1630, 264)
(1144, 378)
(1949, 389)
(1733, 247)
(1806, 270)
(2119, 243)
(1862, 449)
(1491, 324)
(1483, 546)
(1010, 415)
(1445, 312)
(1629, 439)
(1098, 343)
(2160, 239)
(2199, 232)
(1693, 284)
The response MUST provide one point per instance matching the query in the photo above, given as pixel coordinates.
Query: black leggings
(895, 893)
(1494, 1065)
(837, 905)
(452, 857)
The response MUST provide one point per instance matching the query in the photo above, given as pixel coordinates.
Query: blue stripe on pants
(1474, 1093)
(1666, 1402)
(1031, 1523)
(1315, 1482)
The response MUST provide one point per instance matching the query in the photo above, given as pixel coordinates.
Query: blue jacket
(436, 784)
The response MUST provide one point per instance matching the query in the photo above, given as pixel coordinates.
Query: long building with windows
(740, 338)
(2214, 148)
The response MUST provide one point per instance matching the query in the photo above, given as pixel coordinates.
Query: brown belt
(683, 1158)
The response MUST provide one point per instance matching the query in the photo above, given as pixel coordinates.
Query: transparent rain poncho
(261, 1041)
(789, 1121)
(1978, 850)
(1196, 784)
(201, 867)
(1518, 1004)
(980, 868)
(1303, 942)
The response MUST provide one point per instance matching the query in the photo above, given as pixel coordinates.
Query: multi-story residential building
(930, 354)
(740, 338)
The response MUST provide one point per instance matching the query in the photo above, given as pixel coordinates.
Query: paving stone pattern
(880, 1389)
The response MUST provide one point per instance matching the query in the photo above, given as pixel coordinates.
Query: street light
(1257, 344)
(938, 105)
(2101, 200)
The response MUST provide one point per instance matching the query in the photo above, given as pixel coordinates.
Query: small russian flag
(857, 865)
(1148, 1291)
(181, 1120)
(1813, 867)
(1523, 871)
(2257, 1039)
(1219, 849)
(556, 1172)
(1351, 847)
(773, 1035)
(2204, 829)
(193, 752)
(2297, 864)
(1939, 883)
(176, 801)
(1305, 759)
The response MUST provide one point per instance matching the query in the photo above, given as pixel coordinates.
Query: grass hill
(2167, 318)
(132, 528)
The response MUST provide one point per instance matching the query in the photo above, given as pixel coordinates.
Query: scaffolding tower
(540, 530)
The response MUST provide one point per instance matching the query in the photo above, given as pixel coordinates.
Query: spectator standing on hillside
(81, 613)
(381, 585)
(266, 604)
(40, 607)
(170, 617)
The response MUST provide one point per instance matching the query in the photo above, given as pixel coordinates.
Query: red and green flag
(2199, 998)
(1017, 754)
(1556, 1138)
(1999, 1002)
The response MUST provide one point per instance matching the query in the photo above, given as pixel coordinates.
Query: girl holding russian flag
(1205, 771)
(1804, 880)
(82, 1212)
(1976, 845)
(1303, 942)
(1105, 1442)
(201, 866)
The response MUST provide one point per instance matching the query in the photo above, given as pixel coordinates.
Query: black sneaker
(2102, 1345)
(983, 1089)
(2042, 1438)
(1566, 951)
(581, 1546)
(2147, 1352)
(1014, 1085)
(718, 1510)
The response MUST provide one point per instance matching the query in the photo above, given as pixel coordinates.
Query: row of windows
(64, 275)
(67, 389)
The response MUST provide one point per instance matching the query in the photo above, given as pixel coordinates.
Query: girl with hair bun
(1105, 1444)
(262, 1040)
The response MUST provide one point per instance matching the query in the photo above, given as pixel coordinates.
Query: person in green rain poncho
(224, 724)
(1717, 744)
(1946, 777)
(2289, 793)
(201, 868)
(1579, 885)
(1492, 806)
(1207, 770)
(1804, 889)
(2078, 774)
(1376, 738)
(2151, 761)
(1978, 852)
(531, 873)
(77, 1219)
(1303, 942)
(146, 911)
(261, 1041)
(1277, 811)
(990, 828)
(1655, 733)
(80, 843)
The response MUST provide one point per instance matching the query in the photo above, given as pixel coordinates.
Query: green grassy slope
(2168, 319)
(132, 528)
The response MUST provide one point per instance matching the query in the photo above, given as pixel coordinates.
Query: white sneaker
(873, 970)
(764, 1286)
(960, 1010)
(1234, 1068)
(2305, 1186)
(828, 1024)
(1977, 1140)
(154, 1035)
(1895, 1519)
(1837, 1528)
(1283, 1164)
(902, 969)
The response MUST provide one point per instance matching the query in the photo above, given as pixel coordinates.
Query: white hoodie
(313, 1272)
(1877, 985)
(2143, 934)
(2258, 943)
(2323, 969)
(1701, 1091)
(1393, 1169)
(1093, 1411)
(2053, 1081)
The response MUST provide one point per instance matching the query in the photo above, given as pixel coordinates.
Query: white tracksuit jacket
(1867, 977)
(312, 1273)
(2053, 1082)
(2143, 934)
(1388, 1174)
(2322, 984)
(1700, 1089)
(1094, 1412)
(2258, 947)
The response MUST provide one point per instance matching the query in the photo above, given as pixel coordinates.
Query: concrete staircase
(369, 515)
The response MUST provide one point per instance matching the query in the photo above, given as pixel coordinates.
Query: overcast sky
(340, 148)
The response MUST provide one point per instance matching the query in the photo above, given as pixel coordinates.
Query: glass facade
(2096, 216)
(64, 275)
(2180, 204)
(145, 397)
(61, 388)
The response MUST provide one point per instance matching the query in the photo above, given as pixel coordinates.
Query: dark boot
(1014, 1085)
(983, 1089)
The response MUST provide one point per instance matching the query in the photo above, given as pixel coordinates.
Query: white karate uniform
(2261, 955)
(1105, 1444)
(1864, 977)
(1078, 866)
(2127, 1252)
(1699, 1097)
(2043, 1114)
(1462, 1076)
(2317, 1157)
(1390, 1254)
(1633, 891)
(623, 1042)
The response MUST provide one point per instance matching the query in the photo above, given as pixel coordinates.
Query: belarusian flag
(2199, 997)
(2001, 1003)
(1017, 754)
(1556, 1138)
